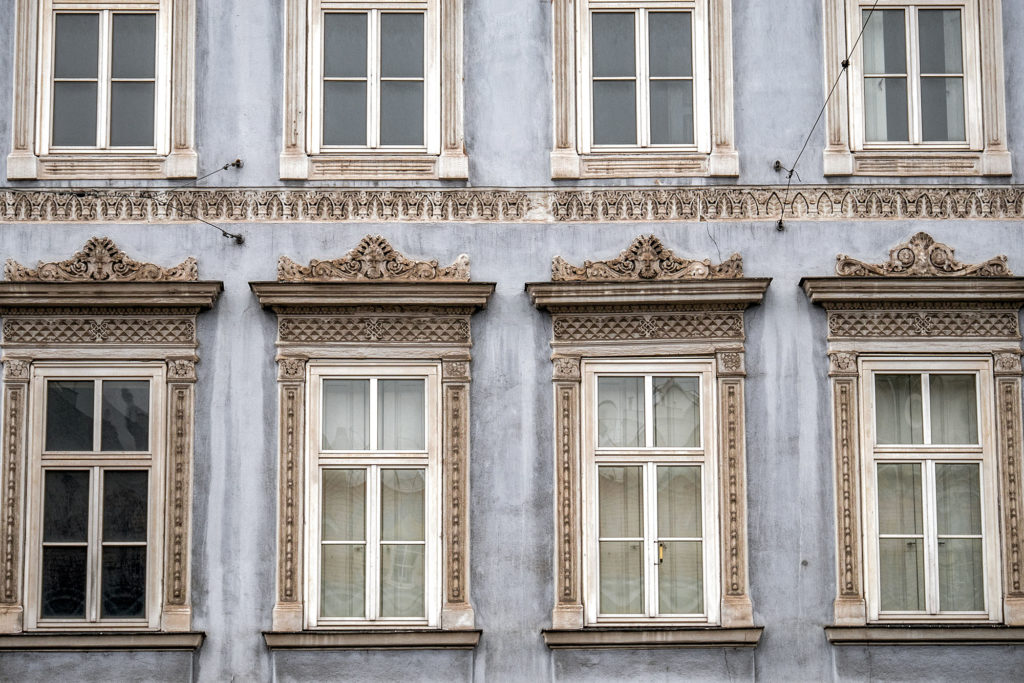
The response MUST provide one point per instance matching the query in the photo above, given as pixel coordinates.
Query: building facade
(511, 340)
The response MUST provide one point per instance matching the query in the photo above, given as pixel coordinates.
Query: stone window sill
(645, 638)
(367, 639)
(108, 641)
(912, 162)
(939, 634)
(644, 164)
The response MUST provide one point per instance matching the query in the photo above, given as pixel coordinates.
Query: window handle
(661, 552)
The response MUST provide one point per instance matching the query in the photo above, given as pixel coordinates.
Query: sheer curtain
(402, 535)
(620, 561)
(343, 538)
(885, 81)
(898, 410)
(954, 409)
(346, 415)
(901, 542)
(400, 415)
(681, 571)
(620, 412)
(958, 508)
(677, 412)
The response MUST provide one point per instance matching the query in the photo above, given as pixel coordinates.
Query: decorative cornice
(646, 259)
(744, 203)
(100, 260)
(921, 256)
(373, 259)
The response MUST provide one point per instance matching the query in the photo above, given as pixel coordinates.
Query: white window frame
(983, 454)
(47, 50)
(649, 458)
(970, 43)
(320, 459)
(40, 461)
(430, 10)
(701, 79)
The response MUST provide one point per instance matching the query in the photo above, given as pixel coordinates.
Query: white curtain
(620, 412)
(676, 412)
(346, 414)
(901, 560)
(620, 502)
(954, 409)
(898, 410)
(400, 415)
(958, 503)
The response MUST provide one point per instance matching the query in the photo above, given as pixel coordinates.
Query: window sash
(926, 417)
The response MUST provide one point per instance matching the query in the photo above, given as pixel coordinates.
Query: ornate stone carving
(698, 325)
(921, 256)
(567, 462)
(13, 462)
(122, 330)
(567, 369)
(456, 427)
(842, 363)
(181, 369)
(16, 369)
(1007, 363)
(373, 259)
(455, 370)
(730, 362)
(647, 259)
(844, 395)
(100, 260)
(988, 323)
(734, 529)
(324, 329)
(179, 501)
(290, 504)
(1008, 400)
(291, 369)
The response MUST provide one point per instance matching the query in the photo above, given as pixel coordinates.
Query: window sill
(410, 166)
(108, 641)
(917, 163)
(599, 638)
(644, 164)
(102, 166)
(981, 634)
(366, 639)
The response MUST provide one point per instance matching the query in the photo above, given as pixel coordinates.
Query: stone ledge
(647, 638)
(367, 639)
(108, 641)
(981, 634)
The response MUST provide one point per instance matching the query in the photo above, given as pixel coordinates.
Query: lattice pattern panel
(678, 326)
(320, 330)
(923, 323)
(99, 331)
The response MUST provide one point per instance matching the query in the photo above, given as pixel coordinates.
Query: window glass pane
(613, 47)
(620, 499)
(901, 568)
(676, 412)
(899, 499)
(74, 114)
(681, 578)
(401, 113)
(66, 506)
(63, 582)
(402, 505)
(940, 41)
(620, 412)
(942, 109)
(402, 581)
(344, 505)
(679, 502)
(954, 406)
(885, 110)
(885, 42)
(77, 45)
(898, 411)
(125, 512)
(671, 112)
(401, 45)
(671, 52)
(344, 113)
(131, 114)
(343, 581)
(622, 578)
(69, 415)
(346, 414)
(134, 46)
(614, 113)
(958, 499)
(124, 582)
(400, 414)
(345, 45)
(961, 575)
(125, 416)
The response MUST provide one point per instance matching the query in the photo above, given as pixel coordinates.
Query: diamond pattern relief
(99, 331)
(952, 323)
(679, 326)
(324, 329)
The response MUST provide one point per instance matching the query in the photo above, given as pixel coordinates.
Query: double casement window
(374, 511)
(931, 488)
(651, 524)
(646, 77)
(96, 478)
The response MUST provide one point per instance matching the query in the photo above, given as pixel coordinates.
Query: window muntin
(931, 492)
(650, 468)
(96, 473)
(375, 551)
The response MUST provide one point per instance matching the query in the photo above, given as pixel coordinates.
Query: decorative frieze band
(927, 321)
(747, 203)
(395, 329)
(99, 330)
(697, 325)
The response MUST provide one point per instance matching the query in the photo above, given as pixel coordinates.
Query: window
(97, 465)
(651, 78)
(650, 492)
(931, 481)
(375, 75)
(918, 85)
(110, 80)
(375, 438)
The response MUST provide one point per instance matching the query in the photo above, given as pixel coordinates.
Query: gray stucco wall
(778, 90)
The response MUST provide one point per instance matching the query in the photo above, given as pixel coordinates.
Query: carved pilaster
(568, 611)
(12, 475)
(456, 612)
(177, 613)
(291, 377)
(736, 606)
(849, 606)
(1011, 468)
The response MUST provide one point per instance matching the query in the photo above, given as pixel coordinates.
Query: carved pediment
(921, 256)
(373, 259)
(646, 259)
(100, 260)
